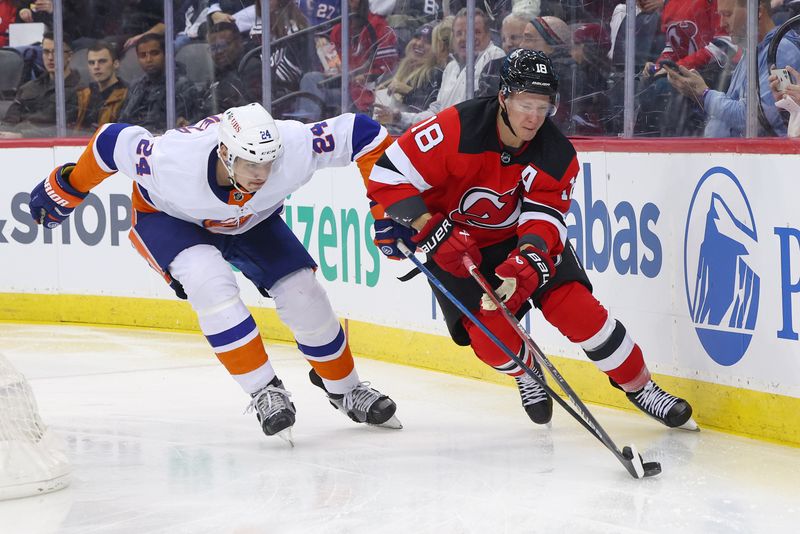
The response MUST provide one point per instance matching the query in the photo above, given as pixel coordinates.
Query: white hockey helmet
(249, 132)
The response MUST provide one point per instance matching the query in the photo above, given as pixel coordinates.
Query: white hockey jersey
(175, 173)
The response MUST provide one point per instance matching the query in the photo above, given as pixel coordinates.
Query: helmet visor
(539, 108)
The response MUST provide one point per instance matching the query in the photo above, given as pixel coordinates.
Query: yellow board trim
(765, 416)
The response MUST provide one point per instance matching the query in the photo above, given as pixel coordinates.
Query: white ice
(153, 426)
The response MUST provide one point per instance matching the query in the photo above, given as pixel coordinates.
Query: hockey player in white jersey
(210, 195)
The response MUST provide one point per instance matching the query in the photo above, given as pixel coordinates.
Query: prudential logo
(722, 289)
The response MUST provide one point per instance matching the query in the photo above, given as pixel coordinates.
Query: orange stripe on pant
(142, 249)
(335, 369)
(246, 358)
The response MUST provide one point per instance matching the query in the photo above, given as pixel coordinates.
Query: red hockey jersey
(457, 164)
(693, 34)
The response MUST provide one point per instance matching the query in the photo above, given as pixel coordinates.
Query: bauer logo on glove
(446, 247)
(523, 272)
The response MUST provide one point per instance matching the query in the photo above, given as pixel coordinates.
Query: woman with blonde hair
(416, 82)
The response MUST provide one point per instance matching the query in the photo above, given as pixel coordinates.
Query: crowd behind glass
(404, 60)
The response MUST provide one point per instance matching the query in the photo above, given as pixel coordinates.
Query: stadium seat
(129, 69)
(11, 64)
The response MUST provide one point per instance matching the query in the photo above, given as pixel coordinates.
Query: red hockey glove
(447, 244)
(523, 272)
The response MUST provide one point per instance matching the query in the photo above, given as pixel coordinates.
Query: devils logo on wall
(485, 208)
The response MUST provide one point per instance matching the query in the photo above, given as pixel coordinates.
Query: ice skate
(537, 403)
(274, 410)
(667, 409)
(362, 404)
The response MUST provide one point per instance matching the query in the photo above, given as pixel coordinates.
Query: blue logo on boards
(722, 289)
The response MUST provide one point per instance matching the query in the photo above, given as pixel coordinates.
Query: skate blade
(286, 435)
(393, 422)
(690, 425)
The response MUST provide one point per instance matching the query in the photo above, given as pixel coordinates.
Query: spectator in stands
(576, 11)
(416, 83)
(591, 108)
(146, 104)
(454, 85)
(552, 36)
(726, 112)
(194, 16)
(137, 18)
(694, 39)
(511, 33)
(319, 11)
(648, 36)
(102, 100)
(290, 59)
(228, 89)
(8, 14)
(372, 53)
(788, 99)
(33, 112)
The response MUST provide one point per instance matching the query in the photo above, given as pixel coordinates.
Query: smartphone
(784, 78)
(669, 64)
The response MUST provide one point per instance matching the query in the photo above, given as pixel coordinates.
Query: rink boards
(697, 253)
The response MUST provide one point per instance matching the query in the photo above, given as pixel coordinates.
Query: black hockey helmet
(528, 71)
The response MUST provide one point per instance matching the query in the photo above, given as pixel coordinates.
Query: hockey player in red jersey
(210, 195)
(492, 178)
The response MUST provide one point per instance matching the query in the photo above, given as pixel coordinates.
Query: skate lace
(360, 398)
(655, 400)
(268, 401)
(530, 390)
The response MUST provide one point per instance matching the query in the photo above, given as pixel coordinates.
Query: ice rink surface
(154, 428)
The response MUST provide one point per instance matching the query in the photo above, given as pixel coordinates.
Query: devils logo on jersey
(682, 37)
(485, 208)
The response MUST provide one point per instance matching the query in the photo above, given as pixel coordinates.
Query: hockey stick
(624, 456)
(629, 458)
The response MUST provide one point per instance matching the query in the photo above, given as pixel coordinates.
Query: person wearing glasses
(492, 178)
(33, 112)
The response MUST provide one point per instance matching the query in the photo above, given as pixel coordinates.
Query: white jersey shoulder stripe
(406, 172)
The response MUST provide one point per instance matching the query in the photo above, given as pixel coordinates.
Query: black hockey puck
(651, 469)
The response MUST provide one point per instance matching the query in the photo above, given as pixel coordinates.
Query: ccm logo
(436, 239)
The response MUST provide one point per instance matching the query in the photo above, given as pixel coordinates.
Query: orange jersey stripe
(139, 203)
(368, 160)
(246, 358)
(87, 173)
(335, 369)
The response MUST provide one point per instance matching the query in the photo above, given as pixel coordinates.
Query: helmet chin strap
(237, 186)
(231, 180)
(504, 115)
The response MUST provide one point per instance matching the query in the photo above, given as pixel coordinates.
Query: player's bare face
(526, 113)
(249, 175)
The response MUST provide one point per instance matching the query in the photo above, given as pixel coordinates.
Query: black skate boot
(667, 409)
(537, 403)
(274, 410)
(362, 404)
